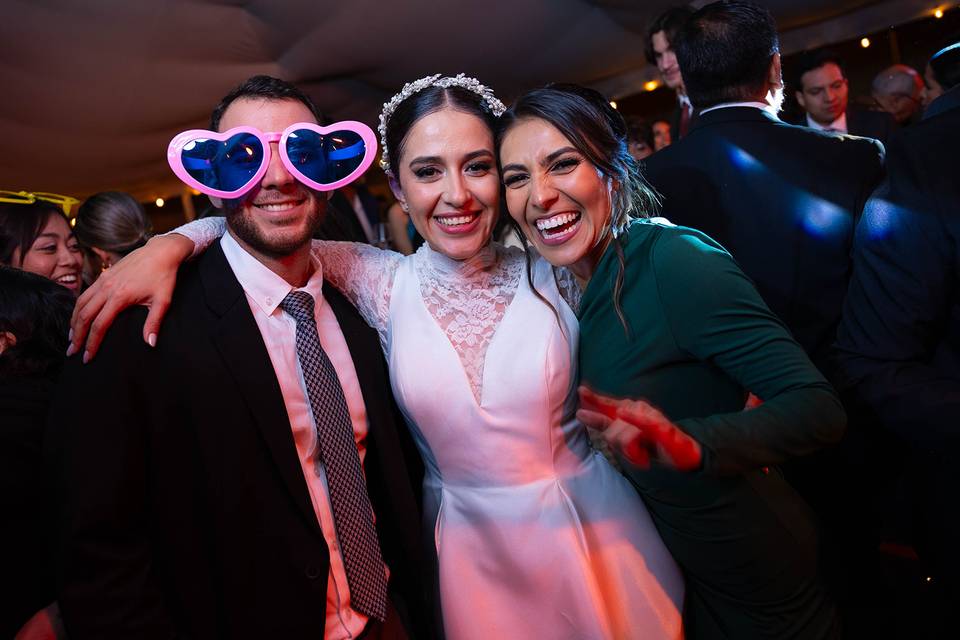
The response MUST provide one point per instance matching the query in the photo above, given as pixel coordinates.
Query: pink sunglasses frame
(175, 149)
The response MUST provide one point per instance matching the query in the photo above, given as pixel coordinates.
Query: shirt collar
(684, 100)
(262, 285)
(839, 125)
(763, 106)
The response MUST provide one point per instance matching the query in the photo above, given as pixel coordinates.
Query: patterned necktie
(352, 511)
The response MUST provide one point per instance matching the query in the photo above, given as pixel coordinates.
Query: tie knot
(299, 304)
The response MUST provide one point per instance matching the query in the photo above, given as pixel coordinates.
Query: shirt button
(268, 300)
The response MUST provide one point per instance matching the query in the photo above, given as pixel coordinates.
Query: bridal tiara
(438, 80)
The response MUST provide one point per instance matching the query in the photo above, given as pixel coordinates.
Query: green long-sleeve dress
(698, 338)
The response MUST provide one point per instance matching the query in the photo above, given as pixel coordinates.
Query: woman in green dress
(671, 326)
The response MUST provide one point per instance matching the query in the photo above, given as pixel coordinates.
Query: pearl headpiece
(460, 80)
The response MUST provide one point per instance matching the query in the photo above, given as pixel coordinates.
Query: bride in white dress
(536, 535)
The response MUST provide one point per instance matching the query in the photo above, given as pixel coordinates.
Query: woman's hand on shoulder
(147, 276)
(639, 431)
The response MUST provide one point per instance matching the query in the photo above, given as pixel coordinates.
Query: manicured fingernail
(152, 339)
(71, 349)
(70, 335)
(86, 357)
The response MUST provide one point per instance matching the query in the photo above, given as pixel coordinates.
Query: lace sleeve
(569, 287)
(364, 274)
(204, 232)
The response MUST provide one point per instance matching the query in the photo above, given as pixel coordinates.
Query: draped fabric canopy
(93, 90)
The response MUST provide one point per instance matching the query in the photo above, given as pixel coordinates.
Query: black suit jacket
(900, 338)
(865, 123)
(879, 125)
(899, 341)
(783, 200)
(184, 508)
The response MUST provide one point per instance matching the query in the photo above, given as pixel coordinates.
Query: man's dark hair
(724, 51)
(810, 60)
(264, 88)
(37, 312)
(670, 22)
(945, 65)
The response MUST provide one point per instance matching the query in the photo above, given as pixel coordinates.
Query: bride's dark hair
(423, 103)
(599, 133)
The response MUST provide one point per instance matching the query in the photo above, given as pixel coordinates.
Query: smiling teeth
(455, 221)
(283, 206)
(556, 221)
(67, 279)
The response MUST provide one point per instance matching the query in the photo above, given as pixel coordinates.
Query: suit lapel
(240, 345)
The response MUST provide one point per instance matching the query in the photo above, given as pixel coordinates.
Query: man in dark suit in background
(353, 215)
(659, 51)
(782, 199)
(822, 90)
(899, 342)
(277, 497)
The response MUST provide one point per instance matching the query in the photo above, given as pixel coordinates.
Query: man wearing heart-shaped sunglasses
(200, 496)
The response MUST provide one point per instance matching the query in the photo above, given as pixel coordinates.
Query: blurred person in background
(898, 90)
(640, 142)
(899, 342)
(109, 225)
(34, 320)
(659, 51)
(661, 135)
(784, 201)
(36, 237)
(822, 91)
(942, 72)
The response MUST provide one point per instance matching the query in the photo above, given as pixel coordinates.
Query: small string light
(865, 42)
(651, 85)
(160, 202)
(613, 103)
(938, 14)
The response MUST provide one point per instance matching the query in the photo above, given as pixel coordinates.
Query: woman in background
(110, 225)
(36, 237)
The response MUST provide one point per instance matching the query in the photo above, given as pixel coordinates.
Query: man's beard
(246, 229)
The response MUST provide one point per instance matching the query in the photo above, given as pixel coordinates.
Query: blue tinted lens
(227, 164)
(325, 158)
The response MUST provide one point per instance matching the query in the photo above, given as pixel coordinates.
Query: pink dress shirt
(265, 290)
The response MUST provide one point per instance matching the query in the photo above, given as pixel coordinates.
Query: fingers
(593, 419)
(629, 441)
(98, 328)
(151, 328)
(86, 309)
(593, 401)
(675, 447)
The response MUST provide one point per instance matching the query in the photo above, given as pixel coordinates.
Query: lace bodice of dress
(468, 298)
